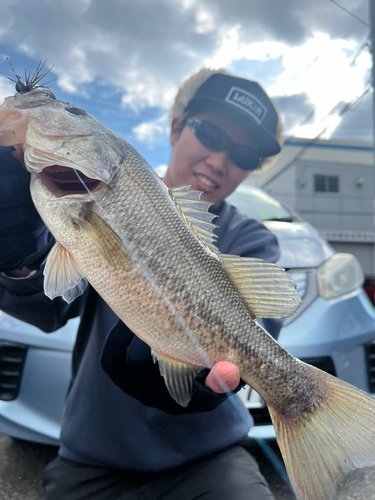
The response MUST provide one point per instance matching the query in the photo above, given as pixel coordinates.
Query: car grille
(12, 360)
(370, 356)
(261, 416)
(259, 410)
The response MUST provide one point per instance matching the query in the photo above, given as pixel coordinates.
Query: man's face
(212, 172)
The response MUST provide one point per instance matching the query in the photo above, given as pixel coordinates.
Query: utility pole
(372, 45)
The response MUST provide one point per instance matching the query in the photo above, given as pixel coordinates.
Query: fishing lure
(31, 81)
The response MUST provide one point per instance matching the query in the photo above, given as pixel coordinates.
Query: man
(123, 436)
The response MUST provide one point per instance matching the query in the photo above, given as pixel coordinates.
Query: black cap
(246, 102)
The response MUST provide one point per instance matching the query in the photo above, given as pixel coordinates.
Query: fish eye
(77, 111)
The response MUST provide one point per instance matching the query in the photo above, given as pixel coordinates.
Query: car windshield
(257, 204)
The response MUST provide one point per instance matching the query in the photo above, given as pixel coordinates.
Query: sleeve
(24, 238)
(247, 238)
(25, 300)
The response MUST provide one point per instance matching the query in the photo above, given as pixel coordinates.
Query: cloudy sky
(123, 60)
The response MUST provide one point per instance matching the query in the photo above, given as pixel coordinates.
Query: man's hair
(187, 91)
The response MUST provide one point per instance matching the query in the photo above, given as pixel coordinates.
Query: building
(331, 184)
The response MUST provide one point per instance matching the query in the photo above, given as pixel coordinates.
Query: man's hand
(223, 377)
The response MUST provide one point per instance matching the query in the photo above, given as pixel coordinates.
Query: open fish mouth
(65, 181)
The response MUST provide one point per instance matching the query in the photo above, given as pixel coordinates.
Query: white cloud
(187, 4)
(144, 49)
(141, 48)
(6, 88)
(161, 170)
(153, 133)
(232, 47)
(321, 68)
(144, 91)
(324, 125)
(204, 21)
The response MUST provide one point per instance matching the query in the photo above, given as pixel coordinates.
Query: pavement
(22, 463)
(21, 466)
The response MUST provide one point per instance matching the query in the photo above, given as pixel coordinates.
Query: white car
(334, 329)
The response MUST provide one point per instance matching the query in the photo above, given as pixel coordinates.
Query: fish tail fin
(329, 453)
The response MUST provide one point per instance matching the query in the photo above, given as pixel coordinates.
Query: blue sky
(101, 100)
(123, 60)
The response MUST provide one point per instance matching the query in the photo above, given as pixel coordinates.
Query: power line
(352, 103)
(360, 50)
(350, 13)
(312, 112)
(301, 153)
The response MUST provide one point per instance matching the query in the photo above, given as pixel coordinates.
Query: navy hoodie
(122, 416)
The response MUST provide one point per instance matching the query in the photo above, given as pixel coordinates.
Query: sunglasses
(214, 138)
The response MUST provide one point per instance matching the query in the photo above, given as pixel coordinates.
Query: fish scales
(133, 241)
(180, 267)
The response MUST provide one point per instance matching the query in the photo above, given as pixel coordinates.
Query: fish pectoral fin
(62, 276)
(105, 240)
(269, 291)
(195, 213)
(178, 377)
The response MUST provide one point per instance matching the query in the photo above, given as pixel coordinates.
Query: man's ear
(175, 131)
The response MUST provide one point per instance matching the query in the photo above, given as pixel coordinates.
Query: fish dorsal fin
(62, 276)
(267, 288)
(195, 213)
(105, 240)
(178, 377)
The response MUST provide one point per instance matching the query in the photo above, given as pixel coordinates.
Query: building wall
(286, 184)
(345, 218)
(351, 208)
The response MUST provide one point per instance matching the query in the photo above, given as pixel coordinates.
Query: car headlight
(339, 275)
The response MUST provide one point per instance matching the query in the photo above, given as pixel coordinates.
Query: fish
(150, 253)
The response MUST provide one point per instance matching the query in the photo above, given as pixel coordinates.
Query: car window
(257, 204)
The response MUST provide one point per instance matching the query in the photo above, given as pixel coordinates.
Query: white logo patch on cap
(247, 102)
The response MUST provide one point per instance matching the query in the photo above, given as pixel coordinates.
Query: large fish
(150, 253)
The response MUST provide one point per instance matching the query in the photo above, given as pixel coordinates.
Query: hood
(300, 244)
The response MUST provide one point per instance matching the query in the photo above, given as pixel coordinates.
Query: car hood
(300, 244)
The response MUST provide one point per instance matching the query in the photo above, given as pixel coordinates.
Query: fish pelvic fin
(328, 451)
(269, 291)
(178, 377)
(62, 276)
(195, 213)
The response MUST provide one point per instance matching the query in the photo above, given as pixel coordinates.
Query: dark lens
(244, 158)
(212, 137)
(215, 138)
